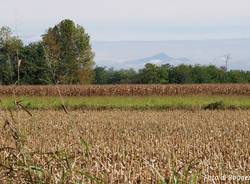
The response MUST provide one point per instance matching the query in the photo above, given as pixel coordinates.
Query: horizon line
(170, 40)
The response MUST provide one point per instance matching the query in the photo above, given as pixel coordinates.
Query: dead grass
(123, 146)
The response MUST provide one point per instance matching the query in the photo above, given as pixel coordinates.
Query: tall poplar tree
(68, 53)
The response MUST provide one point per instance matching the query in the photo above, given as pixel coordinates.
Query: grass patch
(140, 103)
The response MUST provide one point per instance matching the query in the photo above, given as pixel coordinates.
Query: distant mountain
(125, 54)
(160, 58)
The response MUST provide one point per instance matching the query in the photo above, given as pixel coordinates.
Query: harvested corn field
(124, 146)
(126, 90)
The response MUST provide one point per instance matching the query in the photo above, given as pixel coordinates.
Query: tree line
(64, 56)
(168, 74)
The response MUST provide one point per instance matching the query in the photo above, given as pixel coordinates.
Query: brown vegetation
(123, 146)
(127, 90)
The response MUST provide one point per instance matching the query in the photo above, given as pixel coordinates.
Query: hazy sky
(112, 20)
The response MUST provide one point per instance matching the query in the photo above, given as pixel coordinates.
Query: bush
(215, 106)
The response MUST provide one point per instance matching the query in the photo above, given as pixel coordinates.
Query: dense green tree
(237, 76)
(10, 48)
(68, 53)
(149, 74)
(181, 74)
(114, 76)
(111, 76)
(34, 68)
(128, 76)
(216, 75)
(248, 76)
(153, 74)
(163, 73)
(200, 74)
(101, 75)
